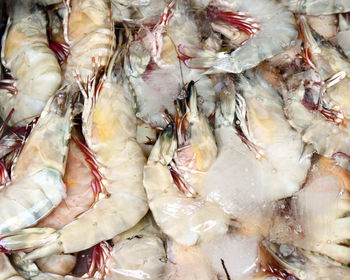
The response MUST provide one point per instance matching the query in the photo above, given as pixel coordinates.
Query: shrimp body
(261, 148)
(317, 7)
(109, 127)
(80, 197)
(272, 30)
(173, 179)
(36, 187)
(90, 37)
(32, 64)
(317, 101)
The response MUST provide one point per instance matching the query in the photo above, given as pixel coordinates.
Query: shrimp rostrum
(36, 187)
(109, 127)
(33, 66)
(173, 177)
(271, 29)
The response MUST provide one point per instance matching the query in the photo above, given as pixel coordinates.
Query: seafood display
(175, 139)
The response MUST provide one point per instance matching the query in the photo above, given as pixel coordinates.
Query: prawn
(37, 174)
(90, 35)
(270, 26)
(316, 100)
(136, 254)
(35, 70)
(254, 136)
(108, 121)
(317, 7)
(174, 174)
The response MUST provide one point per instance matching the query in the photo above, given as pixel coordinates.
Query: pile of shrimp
(175, 139)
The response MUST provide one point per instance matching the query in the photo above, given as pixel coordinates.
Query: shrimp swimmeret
(109, 127)
(36, 187)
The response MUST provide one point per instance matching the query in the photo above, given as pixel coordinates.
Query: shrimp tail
(196, 58)
(26, 239)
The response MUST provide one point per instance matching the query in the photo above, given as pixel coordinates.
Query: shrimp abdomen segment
(27, 200)
(36, 187)
(91, 37)
(108, 216)
(109, 128)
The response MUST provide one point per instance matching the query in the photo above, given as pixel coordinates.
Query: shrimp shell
(34, 67)
(90, 37)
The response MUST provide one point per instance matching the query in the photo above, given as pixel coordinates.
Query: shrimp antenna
(179, 60)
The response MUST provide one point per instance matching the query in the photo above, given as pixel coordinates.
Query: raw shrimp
(137, 254)
(36, 187)
(268, 160)
(270, 26)
(304, 264)
(173, 177)
(90, 35)
(317, 7)
(34, 67)
(317, 100)
(109, 127)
